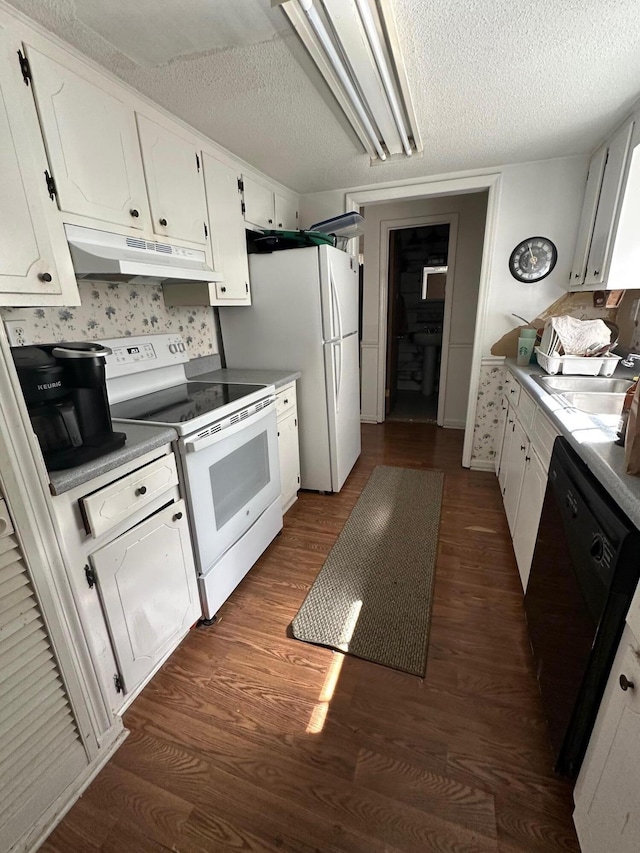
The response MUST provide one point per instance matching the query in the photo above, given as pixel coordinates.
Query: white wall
(541, 198)
(471, 210)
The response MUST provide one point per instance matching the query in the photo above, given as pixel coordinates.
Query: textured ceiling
(493, 81)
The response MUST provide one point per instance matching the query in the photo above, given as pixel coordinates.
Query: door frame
(386, 227)
(432, 189)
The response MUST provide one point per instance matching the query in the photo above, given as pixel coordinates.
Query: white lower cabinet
(606, 815)
(516, 461)
(534, 484)
(288, 445)
(147, 584)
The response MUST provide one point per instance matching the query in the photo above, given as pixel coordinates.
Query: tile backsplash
(117, 310)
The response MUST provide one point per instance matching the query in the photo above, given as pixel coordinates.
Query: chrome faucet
(630, 359)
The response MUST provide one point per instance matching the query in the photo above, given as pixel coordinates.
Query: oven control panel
(144, 352)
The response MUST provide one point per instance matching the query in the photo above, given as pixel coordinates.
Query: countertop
(249, 376)
(592, 437)
(140, 440)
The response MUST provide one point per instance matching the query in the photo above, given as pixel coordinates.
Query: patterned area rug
(372, 598)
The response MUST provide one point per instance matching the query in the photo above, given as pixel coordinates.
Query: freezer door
(343, 405)
(339, 293)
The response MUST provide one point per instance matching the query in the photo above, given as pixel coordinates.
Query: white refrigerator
(304, 316)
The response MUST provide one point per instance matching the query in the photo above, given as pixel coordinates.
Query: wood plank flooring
(250, 741)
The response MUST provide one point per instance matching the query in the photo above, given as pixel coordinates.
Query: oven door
(232, 477)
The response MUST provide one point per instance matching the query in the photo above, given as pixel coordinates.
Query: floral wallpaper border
(118, 310)
(487, 421)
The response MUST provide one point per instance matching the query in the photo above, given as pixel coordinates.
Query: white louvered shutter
(41, 751)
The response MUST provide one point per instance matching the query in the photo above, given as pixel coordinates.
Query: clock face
(533, 259)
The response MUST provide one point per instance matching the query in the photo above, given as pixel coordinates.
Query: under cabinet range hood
(102, 256)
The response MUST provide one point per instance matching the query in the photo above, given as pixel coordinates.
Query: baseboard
(454, 424)
(483, 465)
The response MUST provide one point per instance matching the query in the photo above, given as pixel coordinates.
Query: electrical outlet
(16, 332)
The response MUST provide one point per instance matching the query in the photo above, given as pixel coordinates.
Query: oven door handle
(196, 444)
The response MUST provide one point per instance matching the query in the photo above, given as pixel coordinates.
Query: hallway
(246, 741)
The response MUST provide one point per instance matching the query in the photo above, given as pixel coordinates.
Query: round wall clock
(533, 259)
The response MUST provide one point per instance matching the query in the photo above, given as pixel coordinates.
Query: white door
(339, 293)
(91, 143)
(289, 451)
(502, 426)
(148, 586)
(286, 213)
(227, 227)
(343, 404)
(232, 477)
(258, 203)
(518, 451)
(175, 183)
(506, 448)
(603, 229)
(35, 265)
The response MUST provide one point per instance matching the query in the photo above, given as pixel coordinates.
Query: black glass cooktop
(181, 403)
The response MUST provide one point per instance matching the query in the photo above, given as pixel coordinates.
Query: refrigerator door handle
(337, 370)
(335, 300)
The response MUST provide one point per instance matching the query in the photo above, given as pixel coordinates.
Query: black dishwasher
(583, 576)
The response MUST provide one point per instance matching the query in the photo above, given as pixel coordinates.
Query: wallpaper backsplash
(117, 310)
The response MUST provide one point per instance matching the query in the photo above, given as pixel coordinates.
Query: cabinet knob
(625, 683)
(135, 213)
(285, 402)
(163, 222)
(279, 224)
(177, 516)
(142, 490)
(596, 272)
(522, 447)
(223, 289)
(45, 276)
(271, 222)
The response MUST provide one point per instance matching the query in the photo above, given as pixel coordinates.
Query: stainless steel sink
(594, 403)
(583, 384)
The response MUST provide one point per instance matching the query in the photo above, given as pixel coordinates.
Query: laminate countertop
(140, 440)
(591, 436)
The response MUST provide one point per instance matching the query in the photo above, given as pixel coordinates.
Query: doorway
(417, 276)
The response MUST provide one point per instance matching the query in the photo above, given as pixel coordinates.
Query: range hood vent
(102, 256)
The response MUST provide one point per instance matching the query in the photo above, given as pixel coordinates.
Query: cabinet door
(607, 815)
(588, 217)
(286, 213)
(258, 203)
(228, 235)
(606, 216)
(506, 447)
(175, 183)
(518, 451)
(289, 459)
(91, 143)
(534, 484)
(147, 583)
(35, 265)
(502, 426)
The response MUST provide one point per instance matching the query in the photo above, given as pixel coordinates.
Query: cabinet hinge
(246, 287)
(24, 67)
(242, 207)
(295, 422)
(51, 186)
(298, 480)
(206, 230)
(90, 576)
(118, 683)
(198, 160)
(240, 185)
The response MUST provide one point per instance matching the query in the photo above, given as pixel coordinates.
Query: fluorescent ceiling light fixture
(355, 45)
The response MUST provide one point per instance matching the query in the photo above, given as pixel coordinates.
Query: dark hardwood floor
(249, 741)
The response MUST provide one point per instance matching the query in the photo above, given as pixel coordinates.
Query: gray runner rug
(372, 598)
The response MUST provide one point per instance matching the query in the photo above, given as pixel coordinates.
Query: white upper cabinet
(286, 213)
(588, 217)
(610, 196)
(175, 183)
(35, 266)
(91, 141)
(228, 236)
(258, 201)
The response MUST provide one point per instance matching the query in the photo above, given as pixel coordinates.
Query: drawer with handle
(109, 506)
(285, 400)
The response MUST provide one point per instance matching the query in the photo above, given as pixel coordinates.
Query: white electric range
(227, 452)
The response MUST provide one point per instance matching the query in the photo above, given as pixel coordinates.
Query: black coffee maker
(66, 394)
